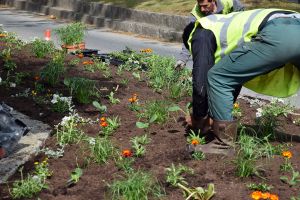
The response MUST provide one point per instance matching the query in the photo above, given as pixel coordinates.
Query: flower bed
(124, 138)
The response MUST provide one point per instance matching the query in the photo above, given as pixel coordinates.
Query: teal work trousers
(276, 44)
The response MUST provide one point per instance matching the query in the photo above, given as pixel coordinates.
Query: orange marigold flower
(194, 142)
(102, 119)
(256, 195)
(103, 124)
(236, 105)
(2, 35)
(274, 197)
(36, 78)
(265, 195)
(80, 55)
(132, 100)
(126, 153)
(287, 154)
(87, 62)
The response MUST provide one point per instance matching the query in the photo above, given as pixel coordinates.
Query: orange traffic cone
(47, 34)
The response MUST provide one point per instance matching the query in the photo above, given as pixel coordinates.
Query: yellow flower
(36, 163)
(287, 154)
(256, 195)
(34, 93)
(236, 105)
(265, 195)
(274, 197)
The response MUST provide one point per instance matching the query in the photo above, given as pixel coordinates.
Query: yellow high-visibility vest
(233, 30)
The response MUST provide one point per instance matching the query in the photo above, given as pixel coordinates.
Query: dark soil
(167, 142)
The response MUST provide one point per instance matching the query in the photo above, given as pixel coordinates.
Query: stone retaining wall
(157, 25)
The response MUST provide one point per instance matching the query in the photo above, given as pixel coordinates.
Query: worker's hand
(180, 65)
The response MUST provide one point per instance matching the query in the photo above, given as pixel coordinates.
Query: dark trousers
(203, 50)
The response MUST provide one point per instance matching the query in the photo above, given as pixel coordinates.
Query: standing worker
(259, 49)
(201, 9)
(204, 8)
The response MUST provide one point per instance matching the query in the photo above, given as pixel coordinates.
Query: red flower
(103, 124)
(126, 153)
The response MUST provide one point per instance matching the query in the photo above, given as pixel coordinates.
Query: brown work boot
(225, 133)
(204, 124)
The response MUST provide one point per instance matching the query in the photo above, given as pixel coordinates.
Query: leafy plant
(109, 125)
(112, 99)
(101, 149)
(75, 176)
(83, 89)
(267, 117)
(61, 104)
(54, 69)
(136, 186)
(296, 198)
(263, 187)
(124, 163)
(174, 174)
(198, 155)
(67, 131)
(101, 108)
(137, 144)
(195, 139)
(71, 34)
(41, 48)
(199, 193)
(293, 180)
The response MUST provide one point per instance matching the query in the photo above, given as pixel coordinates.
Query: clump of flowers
(134, 103)
(61, 104)
(147, 50)
(108, 126)
(257, 195)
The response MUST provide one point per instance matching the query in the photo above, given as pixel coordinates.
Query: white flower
(259, 112)
(0, 80)
(13, 85)
(92, 141)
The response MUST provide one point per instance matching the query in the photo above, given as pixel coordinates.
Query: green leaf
(153, 118)
(101, 108)
(174, 108)
(142, 125)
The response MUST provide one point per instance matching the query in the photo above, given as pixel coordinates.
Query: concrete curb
(26, 147)
(157, 25)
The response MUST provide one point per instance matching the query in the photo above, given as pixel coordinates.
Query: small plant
(61, 104)
(195, 139)
(156, 111)
(137, 75)
(101, 108)
(67, 131)
(297, 121)
(58, 153)
(296, 198)
(198, 155)
(83, 89)
(54, 69)
(136, 186)
(260, 187)
(74, 61)
(267, 117)
(134, 103)
(75, 176)
(137, 144)
(71, 34)
(112, 99)
(236, 111)
(293, 180)
(109, 125)
(41, 48)
(125, 81)
(174, 174)
(101, 149)
(287, 166)
(125, 160)
(199, 192)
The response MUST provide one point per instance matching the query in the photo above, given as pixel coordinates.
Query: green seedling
(75, 176)
(259, 187)
(174, 174)
(293, 180)
(101, 108)
(112, 99)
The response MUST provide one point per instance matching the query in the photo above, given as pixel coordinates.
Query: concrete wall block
(98, 21)
(45, 10)
(20, 4)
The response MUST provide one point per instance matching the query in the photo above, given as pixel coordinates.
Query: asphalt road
(28, 26)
